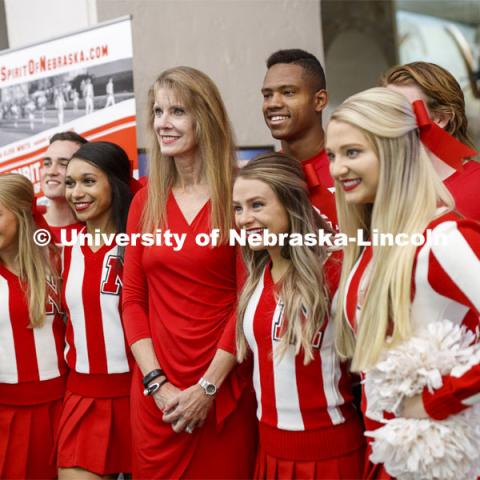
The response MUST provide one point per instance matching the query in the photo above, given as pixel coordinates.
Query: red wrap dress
(183, 301)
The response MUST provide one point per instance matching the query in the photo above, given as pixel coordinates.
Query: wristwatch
(209, 388)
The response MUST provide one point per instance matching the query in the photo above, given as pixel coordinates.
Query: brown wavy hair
(302, 289)
(444, 94)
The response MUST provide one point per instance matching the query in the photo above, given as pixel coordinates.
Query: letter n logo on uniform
(112, 280)
(52, 306)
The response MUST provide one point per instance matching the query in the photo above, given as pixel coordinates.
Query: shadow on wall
(360, 44)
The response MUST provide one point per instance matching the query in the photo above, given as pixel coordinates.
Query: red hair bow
(446, 147)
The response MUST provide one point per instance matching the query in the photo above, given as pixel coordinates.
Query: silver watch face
(211, 389)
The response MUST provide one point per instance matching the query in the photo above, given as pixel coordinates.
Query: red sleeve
(135, 296)
(454, 272)
(227, 341)
(455, 395)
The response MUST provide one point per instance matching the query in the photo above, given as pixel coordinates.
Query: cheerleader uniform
(308, 425)
(445, 286)
(69, 231)
(94, 429)
(463, 186)
(32, 383)
(183, 301)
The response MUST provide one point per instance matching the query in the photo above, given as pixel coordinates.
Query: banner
(82, 82)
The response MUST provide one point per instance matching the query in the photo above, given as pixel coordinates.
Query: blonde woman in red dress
(188, 420)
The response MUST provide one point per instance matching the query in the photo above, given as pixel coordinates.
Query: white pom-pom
(413, 449)
(438, 349)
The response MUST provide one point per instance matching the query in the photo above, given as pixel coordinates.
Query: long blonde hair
(408, 195)
(302, 289)
(215, 141)
(35, 264)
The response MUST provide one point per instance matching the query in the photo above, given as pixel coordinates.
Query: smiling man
(294, 96)
(62, 147)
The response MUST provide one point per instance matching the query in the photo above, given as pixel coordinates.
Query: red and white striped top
(445, 286)
(92, 285)
(291, 395)
(28, 354)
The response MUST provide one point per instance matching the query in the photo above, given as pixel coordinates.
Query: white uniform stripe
(428, 305)
(464, 266)
(8, 360)
(73, 289)
(289, 415)
(115, 347)
(250, 337)
(45, 342)
(331, 374)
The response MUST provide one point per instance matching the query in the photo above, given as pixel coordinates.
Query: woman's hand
(412, 407)
(188, 409)
(165, 394)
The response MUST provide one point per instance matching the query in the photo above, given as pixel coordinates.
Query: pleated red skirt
(333, 452)
(349, 466)
(27, 436)
(95, 434)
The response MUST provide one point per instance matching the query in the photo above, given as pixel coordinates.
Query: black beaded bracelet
(152, 375)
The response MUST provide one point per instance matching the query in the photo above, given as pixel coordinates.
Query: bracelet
(152, 375)
(154, 387)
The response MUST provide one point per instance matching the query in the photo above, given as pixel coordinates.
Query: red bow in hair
(446, 147)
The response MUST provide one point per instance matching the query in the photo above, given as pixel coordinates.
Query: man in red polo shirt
(294, 96)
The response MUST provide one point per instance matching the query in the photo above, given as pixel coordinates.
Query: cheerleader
(387, 184)
(32, 369)
(94, 436)
(445, 102)
(308, 425)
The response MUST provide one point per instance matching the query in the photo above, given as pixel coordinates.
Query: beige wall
(31, 21)
(227, 39)
(360, 44)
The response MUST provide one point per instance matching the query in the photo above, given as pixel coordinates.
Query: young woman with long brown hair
(308, 425)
